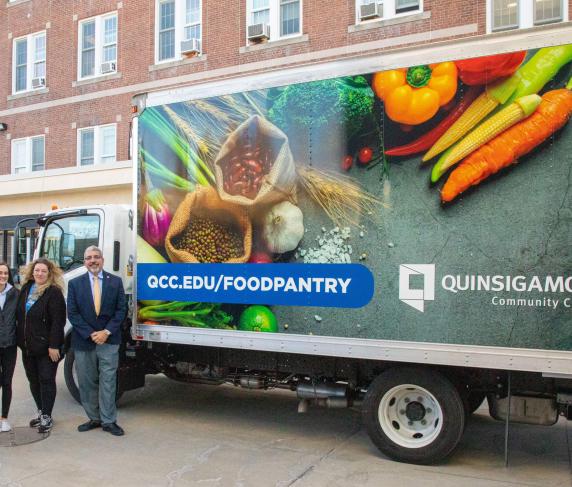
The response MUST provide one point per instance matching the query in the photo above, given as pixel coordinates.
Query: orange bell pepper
(414, 95)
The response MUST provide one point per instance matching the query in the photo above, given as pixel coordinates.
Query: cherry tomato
(365, 155)
(347, 163)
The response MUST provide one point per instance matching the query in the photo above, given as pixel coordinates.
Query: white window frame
(525, 16)
(389, 7)
(180, 24)
(31, 61)
(274, 6)
(98, 154)
(27, 166)
(99, 44)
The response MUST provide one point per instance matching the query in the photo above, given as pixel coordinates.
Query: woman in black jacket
(8, 299)
(41, 318)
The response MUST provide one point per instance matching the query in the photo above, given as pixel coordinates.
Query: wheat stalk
(341, 197)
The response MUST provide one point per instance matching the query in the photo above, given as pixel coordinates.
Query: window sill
(180, 62)
(17, 2)
(68, 179)
(63, 171)
(376, 24)
(96, 79)
(272, 44)
(28, 93)
(527, 28)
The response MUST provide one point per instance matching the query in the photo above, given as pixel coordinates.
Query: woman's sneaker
(5, 426)
(34, 423)
(46, 423)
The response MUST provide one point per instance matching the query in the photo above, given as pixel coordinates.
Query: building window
(97, 46)
(29, 63)
(386, 9)
(178, 21)
(514, 14)
(284, 17)
(28, 154)
(96, 145)
(547, 11)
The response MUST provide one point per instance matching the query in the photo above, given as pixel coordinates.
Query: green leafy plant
(348, 101)
(184, 313)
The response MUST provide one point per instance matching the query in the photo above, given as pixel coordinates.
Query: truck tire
(71, 379)
(414, 415)
(69, 375)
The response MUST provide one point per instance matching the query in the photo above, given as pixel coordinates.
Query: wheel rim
(410, 416)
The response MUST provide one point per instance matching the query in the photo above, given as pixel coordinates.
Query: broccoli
(347, 101)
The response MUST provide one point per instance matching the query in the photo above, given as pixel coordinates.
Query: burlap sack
(205, 202)
(280, 182)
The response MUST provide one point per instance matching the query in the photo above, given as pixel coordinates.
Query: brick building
(70, 68)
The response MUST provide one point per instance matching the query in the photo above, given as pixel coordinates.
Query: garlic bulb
(283, 227)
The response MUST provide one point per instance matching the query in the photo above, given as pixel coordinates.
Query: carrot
(551, 115)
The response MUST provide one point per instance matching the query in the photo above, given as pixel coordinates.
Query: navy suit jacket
(81, 310)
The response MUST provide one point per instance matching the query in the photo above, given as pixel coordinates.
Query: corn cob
(492, 97)
(488, 130)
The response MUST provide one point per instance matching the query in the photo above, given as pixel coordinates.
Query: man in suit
(96, 310)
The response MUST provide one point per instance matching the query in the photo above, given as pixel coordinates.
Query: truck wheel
(414, 415)
(70, 377)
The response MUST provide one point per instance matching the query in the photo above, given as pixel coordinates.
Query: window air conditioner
(38, 82)
(258, 32)
(191, 47)
(370, 11)
(108, 67)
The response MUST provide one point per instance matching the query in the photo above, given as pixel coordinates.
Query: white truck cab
(66, 233)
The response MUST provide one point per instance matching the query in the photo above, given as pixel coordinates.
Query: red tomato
(365, 155)
(347, 163)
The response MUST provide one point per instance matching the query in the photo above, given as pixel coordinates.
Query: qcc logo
(416, 297)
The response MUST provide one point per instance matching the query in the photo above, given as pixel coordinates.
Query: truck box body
(275, 242)
(483, 281)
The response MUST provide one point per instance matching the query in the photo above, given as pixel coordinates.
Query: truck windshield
(66, 239)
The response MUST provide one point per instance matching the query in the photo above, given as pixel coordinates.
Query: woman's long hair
(10, 277)
(55, 275)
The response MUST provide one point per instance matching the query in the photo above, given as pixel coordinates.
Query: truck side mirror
(20, 247)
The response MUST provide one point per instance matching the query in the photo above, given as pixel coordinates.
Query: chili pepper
(484, 70)
(414, 95)
(425, 141)
(540, 69)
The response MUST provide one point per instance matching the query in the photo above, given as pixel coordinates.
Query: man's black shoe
(114, 429)
(90, 425)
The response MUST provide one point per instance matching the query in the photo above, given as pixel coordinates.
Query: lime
(258, 318)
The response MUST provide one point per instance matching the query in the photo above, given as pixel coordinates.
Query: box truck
(389, 232)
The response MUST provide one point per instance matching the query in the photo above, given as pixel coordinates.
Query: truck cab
(66, 233)
(63, 236)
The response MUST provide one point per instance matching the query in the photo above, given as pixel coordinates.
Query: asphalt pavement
(197, 435)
